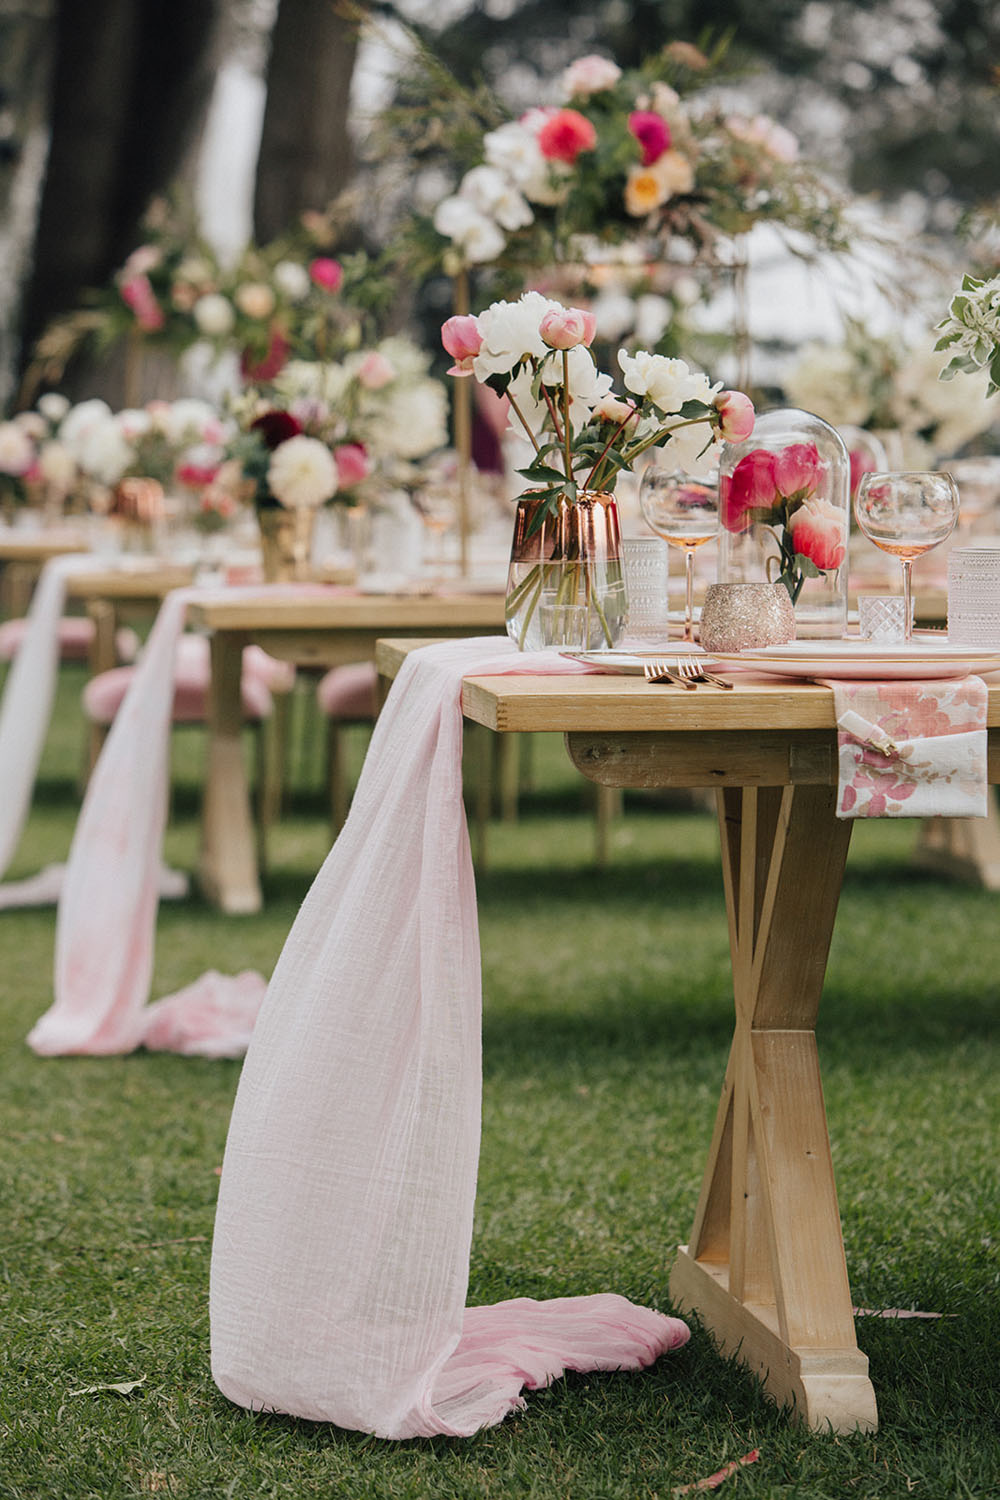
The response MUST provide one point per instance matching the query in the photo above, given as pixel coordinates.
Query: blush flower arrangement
(536, 353)
(782, 492)
(629, 154)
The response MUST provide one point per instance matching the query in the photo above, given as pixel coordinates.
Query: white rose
(256, 299)
(292, 280)
(213, 315)
(589, 75)
(53, 406)
(514, 149)
(302, 472)
(58, 466)
(17, 451)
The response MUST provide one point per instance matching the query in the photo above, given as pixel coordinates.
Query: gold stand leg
(765, 1266)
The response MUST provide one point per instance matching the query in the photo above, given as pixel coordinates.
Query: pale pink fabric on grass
(341, 1248)
(107, 909)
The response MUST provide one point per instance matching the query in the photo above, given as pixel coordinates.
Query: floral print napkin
(912, 749)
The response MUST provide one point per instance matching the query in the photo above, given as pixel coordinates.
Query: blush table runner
(341, 1249)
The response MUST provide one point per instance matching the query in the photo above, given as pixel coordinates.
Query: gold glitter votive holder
(741, 616)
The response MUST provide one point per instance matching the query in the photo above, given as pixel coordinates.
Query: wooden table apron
(311, 630)
(764, 1264)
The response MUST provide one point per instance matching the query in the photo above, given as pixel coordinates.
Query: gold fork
(662, 671)
(691, 669)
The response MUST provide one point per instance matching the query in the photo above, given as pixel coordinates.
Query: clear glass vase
(784, 504)
(565, 584)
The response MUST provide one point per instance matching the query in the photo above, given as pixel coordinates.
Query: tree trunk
(132, 81)
(305, 156)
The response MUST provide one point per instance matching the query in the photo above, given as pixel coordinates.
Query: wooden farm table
(764, 1264)
(316, 628)
(113, 592)
(23, 554)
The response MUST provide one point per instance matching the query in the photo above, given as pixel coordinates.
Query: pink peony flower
(353, 464)
(327, 273)
(752, 486)
(818, 531)
(137, 294)
(798, 468)
(736, 415)
(567, 327)
(565, 134)
(652, 132)
(375, 371)
(462, 339)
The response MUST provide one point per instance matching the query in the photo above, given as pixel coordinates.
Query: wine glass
(684, 510)
(906, 515)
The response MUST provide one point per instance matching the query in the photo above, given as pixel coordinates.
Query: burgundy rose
(276, 427)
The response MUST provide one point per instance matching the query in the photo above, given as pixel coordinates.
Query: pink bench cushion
(76, 634)
(349, 692)
(103, 695)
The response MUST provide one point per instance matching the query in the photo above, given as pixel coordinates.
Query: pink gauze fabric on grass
(912, 749)
(341, 1249)
(106, 918)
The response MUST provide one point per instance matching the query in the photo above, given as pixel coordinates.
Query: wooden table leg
(764, 1266)
(227, 869)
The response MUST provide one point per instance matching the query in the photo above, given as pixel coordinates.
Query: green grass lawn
(607, 1022)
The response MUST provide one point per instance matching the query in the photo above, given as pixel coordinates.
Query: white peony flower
(514, 149)
(190, 419)
(667, 382)
(510, 333)
(478, 237)
(214, 315)
(414, 421)
(81, 418)
(104, 453)
(302, 472)
(693, 450)
(292, 280)
(489, 190)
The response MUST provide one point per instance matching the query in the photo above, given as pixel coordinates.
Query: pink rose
(736, 415)
(818, 531)
(797, 468)
(375, 371)
(137, 294)
(566, 327)
(272, 363)
(353, 464)
(195, 475)
(327, 273)
(565, 134)
(751, 487)
(462, 340)
(652, 132)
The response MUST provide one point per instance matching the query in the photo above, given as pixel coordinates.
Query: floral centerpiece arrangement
(625, 155)
(782, 491)
(891, 386)
(784, 513)
(536, 353)
(971, 331)
(291, 298)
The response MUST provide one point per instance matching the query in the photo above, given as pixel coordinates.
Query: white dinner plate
(633, 663)
(923, 658)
